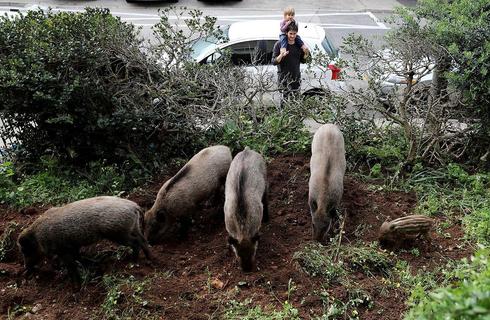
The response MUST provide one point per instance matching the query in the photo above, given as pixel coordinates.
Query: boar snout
(155, 227)
(248, 264)
(245, 251)
(321, 230)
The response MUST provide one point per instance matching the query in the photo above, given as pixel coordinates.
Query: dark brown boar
(326, 183)
(246, 205)
(200, 179)
(62, 231)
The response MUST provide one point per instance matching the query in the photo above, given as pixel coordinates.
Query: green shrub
(6, 176)
(469, 298)
(462, 29)
(81, 87)
(59, 81)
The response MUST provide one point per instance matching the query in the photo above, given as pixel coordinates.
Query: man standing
(289, 74)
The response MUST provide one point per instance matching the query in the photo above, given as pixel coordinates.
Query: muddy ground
(196, 276)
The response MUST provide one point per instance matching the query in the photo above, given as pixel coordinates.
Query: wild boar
(404, 229)
(327, 167)
(246, 205)
(200, 179)
(62, 231)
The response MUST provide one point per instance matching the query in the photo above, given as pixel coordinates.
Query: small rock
(36, 308)
(217, 284)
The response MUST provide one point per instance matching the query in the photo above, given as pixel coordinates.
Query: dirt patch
(196, 276)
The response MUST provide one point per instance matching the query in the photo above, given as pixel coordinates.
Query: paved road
(339, 18)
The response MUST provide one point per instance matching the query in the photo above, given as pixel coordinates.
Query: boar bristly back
(327, 167)
(245, 205)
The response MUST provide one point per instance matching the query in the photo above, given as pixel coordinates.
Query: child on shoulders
(283, 37)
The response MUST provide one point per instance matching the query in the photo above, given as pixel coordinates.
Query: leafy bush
(84, 87)
(6, 175)
(439, 119)
(461, 27)
(469, 298)
(60, 82)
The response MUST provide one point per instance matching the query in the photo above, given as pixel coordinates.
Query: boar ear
(256, 237)
(232, 241)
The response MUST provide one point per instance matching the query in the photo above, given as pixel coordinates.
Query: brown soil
(196, 276)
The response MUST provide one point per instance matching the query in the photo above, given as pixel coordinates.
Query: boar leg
(70, 262)
(185, 224)
(168, 224)
(143, 244)
(131, 240)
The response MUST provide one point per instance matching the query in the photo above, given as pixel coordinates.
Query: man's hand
(281, 55)
(305, 50)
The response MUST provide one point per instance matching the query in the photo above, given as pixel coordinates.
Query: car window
(212, 58)
(329, 47)
(247, 53)
(256, 52)
(242, 53)
(203, 44)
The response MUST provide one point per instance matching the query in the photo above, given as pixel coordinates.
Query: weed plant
(336, 309)
(317, 260)
(456, 194)
(333, 263)
(245, 311)
(53, 184)
(7, 241)
(277, 132)
(124, 298)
